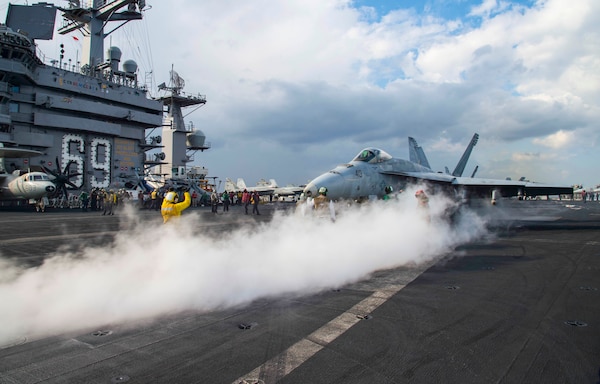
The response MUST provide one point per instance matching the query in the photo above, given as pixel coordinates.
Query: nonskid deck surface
(521, 304)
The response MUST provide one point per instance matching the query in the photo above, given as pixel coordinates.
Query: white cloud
(526, 157)
(488, 7)
(557, 140)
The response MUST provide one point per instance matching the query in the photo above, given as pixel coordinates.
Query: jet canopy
(372, 156)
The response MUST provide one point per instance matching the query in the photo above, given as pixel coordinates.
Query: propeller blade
(66, 171)
(48, 170)
(57, 166)
(72, 185)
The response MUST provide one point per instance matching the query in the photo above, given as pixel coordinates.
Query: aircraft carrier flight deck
(520, 304)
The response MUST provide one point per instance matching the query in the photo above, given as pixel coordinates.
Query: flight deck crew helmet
(170, 197)
(388, 189)
(323, 191)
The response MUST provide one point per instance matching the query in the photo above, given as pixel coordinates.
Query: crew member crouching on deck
(322, 203)
(171, 208)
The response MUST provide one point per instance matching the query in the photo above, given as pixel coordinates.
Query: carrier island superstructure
(92, 117)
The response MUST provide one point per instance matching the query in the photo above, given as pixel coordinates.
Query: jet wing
(484, 187)
(264, 192)
(512, 187)
(261, 191)
(425, 176)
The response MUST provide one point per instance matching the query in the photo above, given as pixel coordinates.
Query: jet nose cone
(333, 183)
(50, 188)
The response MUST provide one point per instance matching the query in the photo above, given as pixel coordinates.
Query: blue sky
(445, 9)
(296, 87)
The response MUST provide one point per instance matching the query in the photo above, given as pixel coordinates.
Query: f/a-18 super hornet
(263, 187)
(373, 169)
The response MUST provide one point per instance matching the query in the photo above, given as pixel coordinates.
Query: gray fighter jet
(373, 169)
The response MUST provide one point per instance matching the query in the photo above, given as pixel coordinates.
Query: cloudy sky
(296, 87)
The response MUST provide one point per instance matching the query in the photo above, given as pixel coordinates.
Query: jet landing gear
(40, 205)
(494, 196)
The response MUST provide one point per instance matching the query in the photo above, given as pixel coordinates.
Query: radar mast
(180, 141)
(91, 22)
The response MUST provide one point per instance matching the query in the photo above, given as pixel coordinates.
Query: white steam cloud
(158, 270)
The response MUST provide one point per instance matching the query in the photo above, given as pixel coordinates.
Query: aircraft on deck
(289, 190)
(373, 169)
(262, 187)
(23, 185)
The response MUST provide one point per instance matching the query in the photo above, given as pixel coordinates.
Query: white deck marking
(284, 363)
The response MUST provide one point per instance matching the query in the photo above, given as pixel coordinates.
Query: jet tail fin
(229, 186)
(474, 171)
(241, 183)
(460, 167)
(416, 153)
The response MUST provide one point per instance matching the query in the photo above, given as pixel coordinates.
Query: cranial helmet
(170, 197)
(323, 190)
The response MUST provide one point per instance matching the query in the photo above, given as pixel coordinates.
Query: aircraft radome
(373, 169)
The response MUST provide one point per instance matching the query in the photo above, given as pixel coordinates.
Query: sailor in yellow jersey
(171, 208)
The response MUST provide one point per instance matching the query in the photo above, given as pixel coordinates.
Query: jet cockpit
(36, 176)
(372, 156)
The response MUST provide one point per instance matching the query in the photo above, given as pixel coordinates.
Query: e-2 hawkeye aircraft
(373, 169)
(18, 185)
